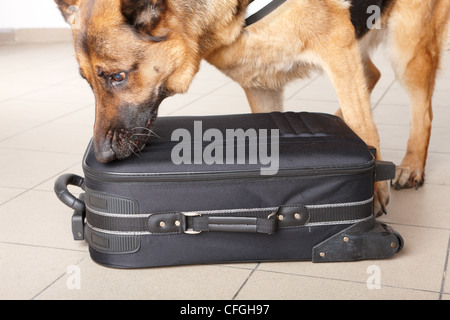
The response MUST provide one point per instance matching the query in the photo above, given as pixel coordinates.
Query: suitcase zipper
(223, 175)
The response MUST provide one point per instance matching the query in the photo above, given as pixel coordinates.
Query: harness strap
(258, 9)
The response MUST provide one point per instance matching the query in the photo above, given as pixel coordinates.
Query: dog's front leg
(344, 66)
(264, 100)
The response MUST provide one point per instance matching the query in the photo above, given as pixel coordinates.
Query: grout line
(33, 187)
(45, 123)
(393, 223)
(375, 105)
(42, 247)
(15, 197)
(54, 281)
(245, 282)
(311, 80)
(404, 150)
(54, 176)
(445, 272)
(31, 92)
(48, 286)
(42, 151)
(345, 280)
(199, 98)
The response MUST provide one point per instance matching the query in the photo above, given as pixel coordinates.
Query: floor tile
(26, 169)
(49, 184)
(446, 288)
(425, 207)
(38, 218)
(322, 91)
(19, 116)
(400, 115)
(427, 245)
(279, 286)
(172, 105)
(81, 119)
(190, 282)
(436, 169)
(63, 95)
(47, 74)
(230, 88)
(11, 91)
(7, 193)
(398, 96)
(209, 72)
(210, 105)
(396, 137)
(25, 271)
(26, 56)
(199, 86)
(52, 137)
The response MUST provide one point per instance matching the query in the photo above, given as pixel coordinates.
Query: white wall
(25, 14)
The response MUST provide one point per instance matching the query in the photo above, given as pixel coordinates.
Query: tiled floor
(46, 119)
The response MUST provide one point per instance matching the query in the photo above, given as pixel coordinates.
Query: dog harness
(361, 11)
(258, 9)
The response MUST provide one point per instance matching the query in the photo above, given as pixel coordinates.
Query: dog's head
(133, 53)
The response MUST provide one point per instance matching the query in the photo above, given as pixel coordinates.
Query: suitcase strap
(253, 220)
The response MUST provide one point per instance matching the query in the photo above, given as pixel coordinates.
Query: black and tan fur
(154, 47)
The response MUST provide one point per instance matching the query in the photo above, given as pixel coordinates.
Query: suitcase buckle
(191, 230)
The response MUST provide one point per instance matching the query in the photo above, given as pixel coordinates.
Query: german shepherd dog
(135, 53)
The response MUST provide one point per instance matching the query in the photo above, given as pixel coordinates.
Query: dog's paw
(381, 198)
(408, 177)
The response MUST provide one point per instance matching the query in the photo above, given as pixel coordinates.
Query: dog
(135, 53)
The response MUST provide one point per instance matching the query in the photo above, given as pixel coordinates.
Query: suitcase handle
(64, 194)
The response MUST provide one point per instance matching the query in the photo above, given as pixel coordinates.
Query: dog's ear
(67, 7)
(143, 15)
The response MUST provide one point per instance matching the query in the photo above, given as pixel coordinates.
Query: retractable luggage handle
(64, 194)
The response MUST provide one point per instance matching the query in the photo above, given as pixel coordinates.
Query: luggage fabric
(234, 188)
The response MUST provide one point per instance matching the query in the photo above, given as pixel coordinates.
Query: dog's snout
(104, 152)
(120, 143)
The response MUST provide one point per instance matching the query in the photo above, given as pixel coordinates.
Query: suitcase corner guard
(366, 240)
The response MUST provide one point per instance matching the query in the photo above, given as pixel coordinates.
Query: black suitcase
(234, 188)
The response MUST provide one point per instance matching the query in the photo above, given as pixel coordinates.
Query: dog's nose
(104, 153)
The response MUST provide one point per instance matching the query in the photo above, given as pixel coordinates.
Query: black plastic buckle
(78, 223)
(384, 170)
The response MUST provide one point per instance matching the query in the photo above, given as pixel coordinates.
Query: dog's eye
(119, 77)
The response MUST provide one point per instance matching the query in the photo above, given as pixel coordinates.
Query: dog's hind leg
(417, 32)
(264, 100)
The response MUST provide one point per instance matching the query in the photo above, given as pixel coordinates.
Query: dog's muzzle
(126, 132)
(120, 143)
(104, 152)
